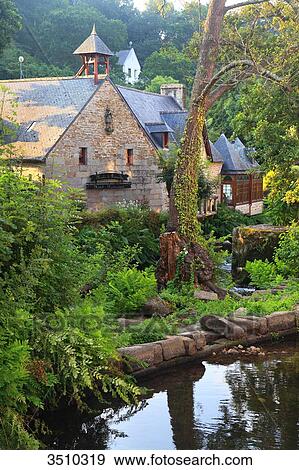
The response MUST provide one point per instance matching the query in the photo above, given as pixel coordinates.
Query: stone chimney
(177, 91)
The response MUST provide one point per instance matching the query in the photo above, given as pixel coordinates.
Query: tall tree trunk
(192, 140)
(209, 47)
(184, 228)
(184, 194)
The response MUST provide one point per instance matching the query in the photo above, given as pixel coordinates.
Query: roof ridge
(52, 79)
(179, 111)
(154, 123)
(143, 91)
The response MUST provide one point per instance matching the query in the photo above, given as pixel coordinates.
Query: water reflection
(239, 405)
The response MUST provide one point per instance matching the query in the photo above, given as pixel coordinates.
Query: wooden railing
(208, 207)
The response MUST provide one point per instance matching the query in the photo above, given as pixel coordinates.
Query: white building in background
(129, 62)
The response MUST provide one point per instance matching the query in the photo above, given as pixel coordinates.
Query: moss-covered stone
(250, 243)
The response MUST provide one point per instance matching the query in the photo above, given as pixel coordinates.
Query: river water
(243, 403)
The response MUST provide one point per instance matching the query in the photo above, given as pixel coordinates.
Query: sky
(178, 3)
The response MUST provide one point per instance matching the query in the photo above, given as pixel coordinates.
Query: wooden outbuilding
(242, 178)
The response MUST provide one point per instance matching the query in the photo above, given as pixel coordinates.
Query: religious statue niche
(108, 121)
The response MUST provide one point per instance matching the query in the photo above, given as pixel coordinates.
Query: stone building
(91, 134)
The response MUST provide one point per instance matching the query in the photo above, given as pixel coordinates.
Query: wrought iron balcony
(108, 181)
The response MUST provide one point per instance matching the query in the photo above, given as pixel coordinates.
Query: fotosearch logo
(212, 460)
(155, 460)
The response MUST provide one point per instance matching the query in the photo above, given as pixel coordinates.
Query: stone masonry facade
(107, 153)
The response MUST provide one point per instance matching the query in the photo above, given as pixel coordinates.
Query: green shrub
(129, 289)
(226, 219)
(263, 274)
(116, 228)
(81, 349)
(39, 263)
(287, 253)
(53, 343)
(18, 391)
(153, 329)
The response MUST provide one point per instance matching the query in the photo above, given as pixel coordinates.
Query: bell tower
(93, 52)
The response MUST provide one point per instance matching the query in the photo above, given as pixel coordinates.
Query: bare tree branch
(244, 4)
(218, 92)
(227, 68)
(245, 63)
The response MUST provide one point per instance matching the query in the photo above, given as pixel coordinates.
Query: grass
(259, 305)
(189, 310)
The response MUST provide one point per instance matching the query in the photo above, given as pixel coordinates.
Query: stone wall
(255, 208)
(107, 153)
(145, 359)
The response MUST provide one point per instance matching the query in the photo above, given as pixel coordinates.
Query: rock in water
(222, 326)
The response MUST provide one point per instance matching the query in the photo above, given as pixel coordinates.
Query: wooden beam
(96, 70)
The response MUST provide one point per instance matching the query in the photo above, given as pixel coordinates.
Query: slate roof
(122, 56)
(234, 156)
(155, 111)
(46, 107)
(93, 45)
(158, 128)
(176, 120)
(216, 155)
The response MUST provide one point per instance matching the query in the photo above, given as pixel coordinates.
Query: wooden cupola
(93, 52)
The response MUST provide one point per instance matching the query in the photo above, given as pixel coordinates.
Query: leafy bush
(282, 191)
(131, 225)
(287, 253)
(39, 264)
(129, 289)
(81, 349)
(263, 274)
(53, 342)
(226, 219)
(15, 384)
(153, 329)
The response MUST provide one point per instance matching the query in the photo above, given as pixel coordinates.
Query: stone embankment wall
(145, 359)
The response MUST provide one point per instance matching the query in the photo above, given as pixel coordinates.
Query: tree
(63, 30)
(169, 61)
(155, 84)
(207, 88)
(32, 67)
(10, 22)
(264, 115)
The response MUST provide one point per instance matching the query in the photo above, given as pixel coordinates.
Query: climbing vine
(186, 175)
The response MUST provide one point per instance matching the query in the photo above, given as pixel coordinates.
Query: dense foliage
(53, 29)
(10, 22)
(262, 113)
(66, 276)
(123, 227)
(226, 219)
(54, 342)
(285, 265)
